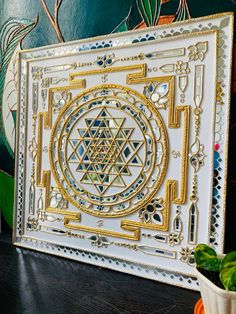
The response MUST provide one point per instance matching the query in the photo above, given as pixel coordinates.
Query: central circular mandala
(104, 153)
(108, 151)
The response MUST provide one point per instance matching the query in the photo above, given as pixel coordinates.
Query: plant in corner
(217, 280)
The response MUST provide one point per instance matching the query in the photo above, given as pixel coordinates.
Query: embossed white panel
(122, 151)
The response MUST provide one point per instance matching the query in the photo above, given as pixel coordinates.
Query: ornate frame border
(127, 38)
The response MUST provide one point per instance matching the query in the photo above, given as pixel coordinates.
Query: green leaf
(206, 258)
(156, 8)
(182, 12)
(149, 11)
(145, 14)
(228, 271)
(13, 113)
(7, 197)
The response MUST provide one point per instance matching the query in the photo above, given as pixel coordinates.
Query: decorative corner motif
(198, 51)
(56, 199)
(187, 256)
(152, 212)
(158, 94)
(37, 73)
(106, 60)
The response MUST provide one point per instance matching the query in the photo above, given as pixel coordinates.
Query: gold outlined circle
(59, 148)
(165, 149)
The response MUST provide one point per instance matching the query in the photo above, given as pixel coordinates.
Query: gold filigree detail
(73, 77)
(48, 81)
(182, 84)
(173, 121)
(175, 153)
(169, 53)
(120, 212)
(99, 241)
(197, 155)
(219, 93)
(32, 149)
(179, 68)
(56, 199)
(187, 255)
(37, 72)
(198, 51)
(102, 61)
(60, 99)
(152, 212)
(103, 151)
(135, 232)
(158, 94)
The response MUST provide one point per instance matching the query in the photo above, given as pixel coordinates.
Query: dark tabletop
(32, 282)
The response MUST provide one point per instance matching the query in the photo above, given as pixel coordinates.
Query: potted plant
(217, 280)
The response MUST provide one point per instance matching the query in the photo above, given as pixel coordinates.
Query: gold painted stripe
(135, 236)
(39, 148)
(141, 67)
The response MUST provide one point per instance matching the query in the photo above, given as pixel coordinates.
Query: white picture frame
(120, 148)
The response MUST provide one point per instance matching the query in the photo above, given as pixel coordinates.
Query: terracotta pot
(199, 309)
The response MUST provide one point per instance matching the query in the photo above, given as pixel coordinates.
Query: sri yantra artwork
(122, 148)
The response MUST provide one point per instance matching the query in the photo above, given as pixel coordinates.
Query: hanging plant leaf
(228, 271)
(182, 12)
(206, 258)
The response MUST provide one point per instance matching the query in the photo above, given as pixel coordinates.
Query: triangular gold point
(104, 151)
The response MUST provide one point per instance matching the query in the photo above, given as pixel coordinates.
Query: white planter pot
(215, 299)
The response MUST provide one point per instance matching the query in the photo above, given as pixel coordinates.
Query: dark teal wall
(86, 18)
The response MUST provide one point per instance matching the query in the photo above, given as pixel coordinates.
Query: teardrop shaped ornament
(162, 89)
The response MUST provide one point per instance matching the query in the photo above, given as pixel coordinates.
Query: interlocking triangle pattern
(104, 151)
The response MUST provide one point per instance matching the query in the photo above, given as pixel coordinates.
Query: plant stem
(54, 21)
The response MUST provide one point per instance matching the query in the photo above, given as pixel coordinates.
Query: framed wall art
(122, 148)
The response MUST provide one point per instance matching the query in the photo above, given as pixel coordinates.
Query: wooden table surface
(32, 282)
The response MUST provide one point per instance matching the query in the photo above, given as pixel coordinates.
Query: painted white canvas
(122, 150)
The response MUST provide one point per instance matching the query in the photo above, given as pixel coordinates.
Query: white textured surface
(175, 270)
